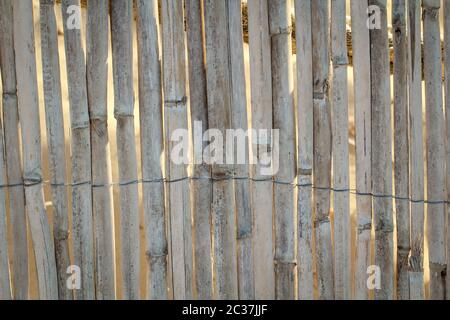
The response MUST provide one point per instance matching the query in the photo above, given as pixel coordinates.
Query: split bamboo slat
(322, 148)
(283, 120)
(341, 166)
(152, 146)
(102, 205)
(416, 147)
(401, 147)
(122, 50)
(261, 119)
(19, 253)
(56, 143)
(176, 117)
(218, 79)
(82, 223)
(447, 117)
(305, 113)
(382, 155)
(24, 47)
(201, 188)
(435, 151)
(363, 149)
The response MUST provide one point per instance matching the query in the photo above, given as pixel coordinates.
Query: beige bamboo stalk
(435, 135)
(322, 148)
(19, 254)
(341, 181)
(283, 120)
(122, 49)
(447, 117)
(102, 206)
(82, 224)
(218, 75)
(361, 80)
(244, 218)
(152, 145)
(201, 188)
(382, 154)
(56, 143)
(5, 281)
(31, 142)
(261, 116)
(416, 175)
(401, 147)
(305, 149)
(176, 117)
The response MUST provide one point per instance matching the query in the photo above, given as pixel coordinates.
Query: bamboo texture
(447, 117)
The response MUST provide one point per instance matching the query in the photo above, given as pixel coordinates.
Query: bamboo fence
(156, 205)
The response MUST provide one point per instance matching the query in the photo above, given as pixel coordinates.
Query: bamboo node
(80, 125)
(439, 268)
(176, 102)
(432, 12)
(364, 227)
(281, 31)
(319, 221)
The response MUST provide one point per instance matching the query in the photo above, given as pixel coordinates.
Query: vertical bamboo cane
(283, 120)
(261, 115)
(305, 149)
(218, 75)
(175, 118)
(31, 140)
(361, 80)
(435, 149)
(121, 29)
(382, 154)
(322, 147)
(416, 174)
(401, 147)
(56, 143)
(447, 116)
(19, 252)
(152, 145)
(102, 206)
(201, 189)
(239, 123)
(342, 253)
(81, 156)
(5, 281)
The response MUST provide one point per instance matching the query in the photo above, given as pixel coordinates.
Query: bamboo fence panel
(19, 252)
(102, 199)
(416, 147)
(56, 143)
(363, 149)
(261, 118)
(435, 136)
(277, 219)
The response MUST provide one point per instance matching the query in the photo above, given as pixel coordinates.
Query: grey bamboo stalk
(218, 76)
(102, 206)
(5, 280)
(283, 120)
(447, 117)
(322, 148)
(401, 147)
(19, 254)
(362, 87)
(239, 122)
(56, 143)
(200, 189)
(305, 149)
(176, 117)
(382, 155)
(341, 181)
(152, 145)
(82, 224)
(416, 282)
(31, 142)
(261, 115)
(122, 49)
(435, 135)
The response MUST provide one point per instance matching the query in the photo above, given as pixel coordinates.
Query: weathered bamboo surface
(266, 149)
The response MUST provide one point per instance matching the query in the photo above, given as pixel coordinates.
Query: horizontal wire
(230, 178)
